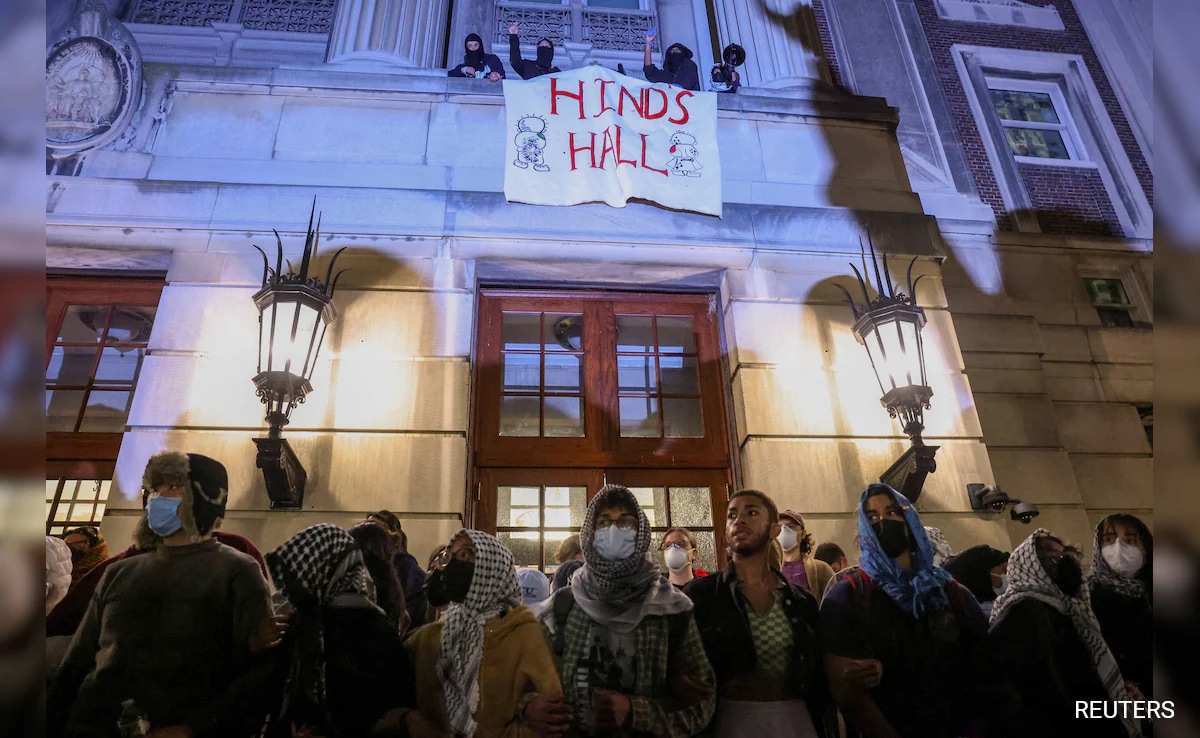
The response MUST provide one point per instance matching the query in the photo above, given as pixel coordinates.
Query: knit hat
(205, 486)
(796, 517)
(535, 587)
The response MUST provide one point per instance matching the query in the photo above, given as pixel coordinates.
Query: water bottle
(133, 722)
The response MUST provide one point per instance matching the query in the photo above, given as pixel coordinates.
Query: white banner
(594, 135)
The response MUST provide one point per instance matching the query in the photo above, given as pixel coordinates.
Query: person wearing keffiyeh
(343, 665)
(1121, 588)
(1047, 647)
(484, 670)
(902, 638)
(624, 636)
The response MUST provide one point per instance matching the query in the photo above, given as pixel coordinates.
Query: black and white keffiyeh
(1103, 574)
(1028, 579)
(619, 594)
(312, 569)
(941, 547)
(494, 587)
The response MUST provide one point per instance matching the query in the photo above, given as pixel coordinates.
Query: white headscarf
(58, 571)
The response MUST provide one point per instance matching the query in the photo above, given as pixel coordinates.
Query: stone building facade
(861, 121)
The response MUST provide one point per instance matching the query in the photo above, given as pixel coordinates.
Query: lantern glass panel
(911, 332)
(290, 349)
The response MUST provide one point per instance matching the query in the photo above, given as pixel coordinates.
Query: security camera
(1024, 511)
(987, 497)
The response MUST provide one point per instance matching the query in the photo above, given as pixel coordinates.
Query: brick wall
(1079, 195)
(1070, 201)
(835, 71)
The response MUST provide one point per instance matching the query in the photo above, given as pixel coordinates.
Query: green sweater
(171, 630)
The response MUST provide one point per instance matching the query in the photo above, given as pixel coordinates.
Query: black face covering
(674, 60)
(893, 536)
(545, 55)
(1067, 574)
(76, 555)
(474, 58)
(450, 584)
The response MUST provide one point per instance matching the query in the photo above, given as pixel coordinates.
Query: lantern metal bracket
(282, 471)
(907, 474)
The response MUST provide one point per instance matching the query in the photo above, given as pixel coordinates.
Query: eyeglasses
(681, 545)
(463, 554)
(625, 522)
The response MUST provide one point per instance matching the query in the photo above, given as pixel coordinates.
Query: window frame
(1136, 305)
(1076, 151)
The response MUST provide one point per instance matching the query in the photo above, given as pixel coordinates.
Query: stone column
(388, 33)
(780, 37)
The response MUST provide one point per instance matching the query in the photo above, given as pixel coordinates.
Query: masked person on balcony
(760, 633)
(624, 637)
(544, 64)
(172, 629)
(1048, 650)
(903, 641)
(678, 67)
(485, 668)
(477, 63)
(799, 567)
(1121, 584)
(679, 552)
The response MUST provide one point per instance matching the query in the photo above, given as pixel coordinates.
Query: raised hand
(513, 28)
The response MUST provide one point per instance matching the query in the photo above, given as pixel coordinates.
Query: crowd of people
(340, 632)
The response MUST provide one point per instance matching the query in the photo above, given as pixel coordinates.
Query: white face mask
(1124, 559)
(676, 558)
(787, 538)
(615, 544)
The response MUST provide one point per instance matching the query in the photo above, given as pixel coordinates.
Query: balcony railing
(604, 28)
(297, 16)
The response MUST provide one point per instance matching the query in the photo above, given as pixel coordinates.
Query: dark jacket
(1044, 667)
(530, 68)
(412, 578)
(477, 60)
(1127, 624)
(681, 72)
(725, 629)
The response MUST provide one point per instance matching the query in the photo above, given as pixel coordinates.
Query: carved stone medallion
(93, 84)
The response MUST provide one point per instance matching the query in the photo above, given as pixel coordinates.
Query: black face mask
(450, 584)
(674, 60)
(76, 555)
(545, 55)
(892, 535)
(1067, 574)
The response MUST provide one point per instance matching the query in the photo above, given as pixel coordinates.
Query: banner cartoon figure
(594, 135)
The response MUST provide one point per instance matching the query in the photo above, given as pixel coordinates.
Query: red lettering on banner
(646, 93)
(633, 100)
(663, 172)
(679, 101)
(621, 161)
(590, 148)
(603, 98)
(555, 93)
(608, 146)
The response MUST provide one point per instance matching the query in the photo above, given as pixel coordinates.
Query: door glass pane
(551, 541)
(522, 372)
(563, 372)
(524, 546)
(652, 501)
(62, 409)
(706, 555)
(691, 507)
(635, 333)
(83, 324)
(564, 417)
(513, 504)
(71, 365)
(519, 416)
(682, 419)
(564, 332)
(106, 412)
(131, 324)
(119, 366)
(639, 417)
(679, 375)
(636, 373)
(572, 500)
(676, 335)
(521, 331)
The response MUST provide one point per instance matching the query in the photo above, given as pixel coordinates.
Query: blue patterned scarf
(921, 590)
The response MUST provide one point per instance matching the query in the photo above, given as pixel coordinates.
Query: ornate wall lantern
(889, 326)
(294, 309)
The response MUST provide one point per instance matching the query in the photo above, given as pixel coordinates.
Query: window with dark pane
(542, 359)
(1111, 301)
(658, 377)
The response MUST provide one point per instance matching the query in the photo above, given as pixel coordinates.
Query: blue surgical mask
(1003, 585)
(615, 544)
(162, 513)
